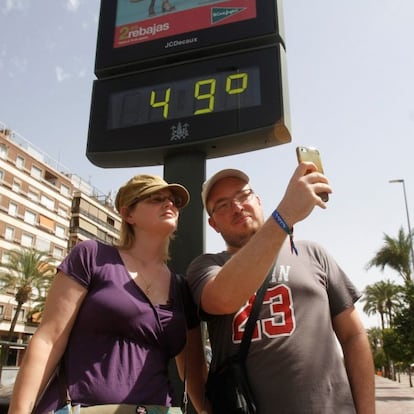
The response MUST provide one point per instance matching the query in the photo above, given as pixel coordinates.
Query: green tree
(28, 273)
(404, 328)
(376, 342)
(375, 338)
(396, 254)
(384, 298)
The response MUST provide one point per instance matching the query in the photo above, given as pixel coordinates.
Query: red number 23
(281, 320)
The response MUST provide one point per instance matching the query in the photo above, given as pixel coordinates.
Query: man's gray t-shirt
(294, 362)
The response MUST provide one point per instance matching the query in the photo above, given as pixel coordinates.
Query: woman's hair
(132, 192)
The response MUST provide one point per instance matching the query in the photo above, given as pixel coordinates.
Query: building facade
(45, 207)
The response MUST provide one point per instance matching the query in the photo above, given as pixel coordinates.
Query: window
(16, 186)
(12, 209)
(65, 190)
(62, 211)
(46, 222)
(27, 240)
(20, 162)
(5, 258)
(3, 151)
(36, 172)
(9, 233)
(47, 202)
(42, 245)
(60, 231)
(58, 253)
(30, 217)
(51, 177)
(32, 195)
(1, 175)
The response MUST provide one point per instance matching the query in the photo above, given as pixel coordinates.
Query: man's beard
(237, 241)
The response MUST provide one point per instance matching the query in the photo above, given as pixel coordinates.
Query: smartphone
(312, 154)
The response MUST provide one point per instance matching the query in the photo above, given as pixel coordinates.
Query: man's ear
(213, 224)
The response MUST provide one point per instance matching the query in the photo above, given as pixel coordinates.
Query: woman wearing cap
(115, 316)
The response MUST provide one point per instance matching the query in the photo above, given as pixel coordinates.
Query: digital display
(218, 106)
(194, 96)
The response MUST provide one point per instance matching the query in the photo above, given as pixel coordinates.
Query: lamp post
(408, 221)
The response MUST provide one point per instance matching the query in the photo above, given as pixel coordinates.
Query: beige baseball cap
(208, 185)
(145, 184)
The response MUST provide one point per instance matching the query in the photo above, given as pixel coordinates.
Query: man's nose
(236, 204)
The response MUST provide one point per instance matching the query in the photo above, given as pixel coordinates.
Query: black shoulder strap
(251, 322)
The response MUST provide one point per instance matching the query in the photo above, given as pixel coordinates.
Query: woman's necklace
(148, 286)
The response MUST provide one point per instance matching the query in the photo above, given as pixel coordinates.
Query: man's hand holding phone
(311, 154)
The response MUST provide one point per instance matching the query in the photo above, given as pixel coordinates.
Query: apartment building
(93, 217)
(43, 206)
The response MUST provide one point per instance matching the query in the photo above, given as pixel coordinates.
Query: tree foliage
(404, 325)
(395, 253)
(28, 273)
(384, 298)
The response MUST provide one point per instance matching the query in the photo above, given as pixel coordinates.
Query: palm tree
(375, 338)
(384, 298)
(28, 273)
(396, 254)
(376, 342)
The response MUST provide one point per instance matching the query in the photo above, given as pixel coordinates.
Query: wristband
(282, 223)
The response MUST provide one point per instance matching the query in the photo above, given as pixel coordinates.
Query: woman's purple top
(120, 345)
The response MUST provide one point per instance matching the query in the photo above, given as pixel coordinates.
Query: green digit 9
(244, 77)
(164, 103)
(209, 96)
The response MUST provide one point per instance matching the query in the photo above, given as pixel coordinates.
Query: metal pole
(188, 169)
(408, 221)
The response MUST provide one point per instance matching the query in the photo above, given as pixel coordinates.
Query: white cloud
(82, 73)
(3, 55)
(73, 5)
(10, 5)
(61, 75)
(18, 64)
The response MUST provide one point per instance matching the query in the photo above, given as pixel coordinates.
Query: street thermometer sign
(207, 78)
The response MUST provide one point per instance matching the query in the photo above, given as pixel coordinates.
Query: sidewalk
(393, 397)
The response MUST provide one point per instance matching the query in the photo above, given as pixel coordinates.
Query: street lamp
(408, 221)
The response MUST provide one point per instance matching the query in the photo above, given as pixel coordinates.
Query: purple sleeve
(80, 262)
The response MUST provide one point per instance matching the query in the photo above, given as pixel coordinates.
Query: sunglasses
(158, 199)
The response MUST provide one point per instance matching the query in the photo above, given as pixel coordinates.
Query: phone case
(312, 154)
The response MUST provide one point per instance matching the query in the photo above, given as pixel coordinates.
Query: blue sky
(351, 88)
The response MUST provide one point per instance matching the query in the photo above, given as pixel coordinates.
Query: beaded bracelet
(282, 223)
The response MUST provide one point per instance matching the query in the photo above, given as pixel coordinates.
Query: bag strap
(251, 322)
(184, 299)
